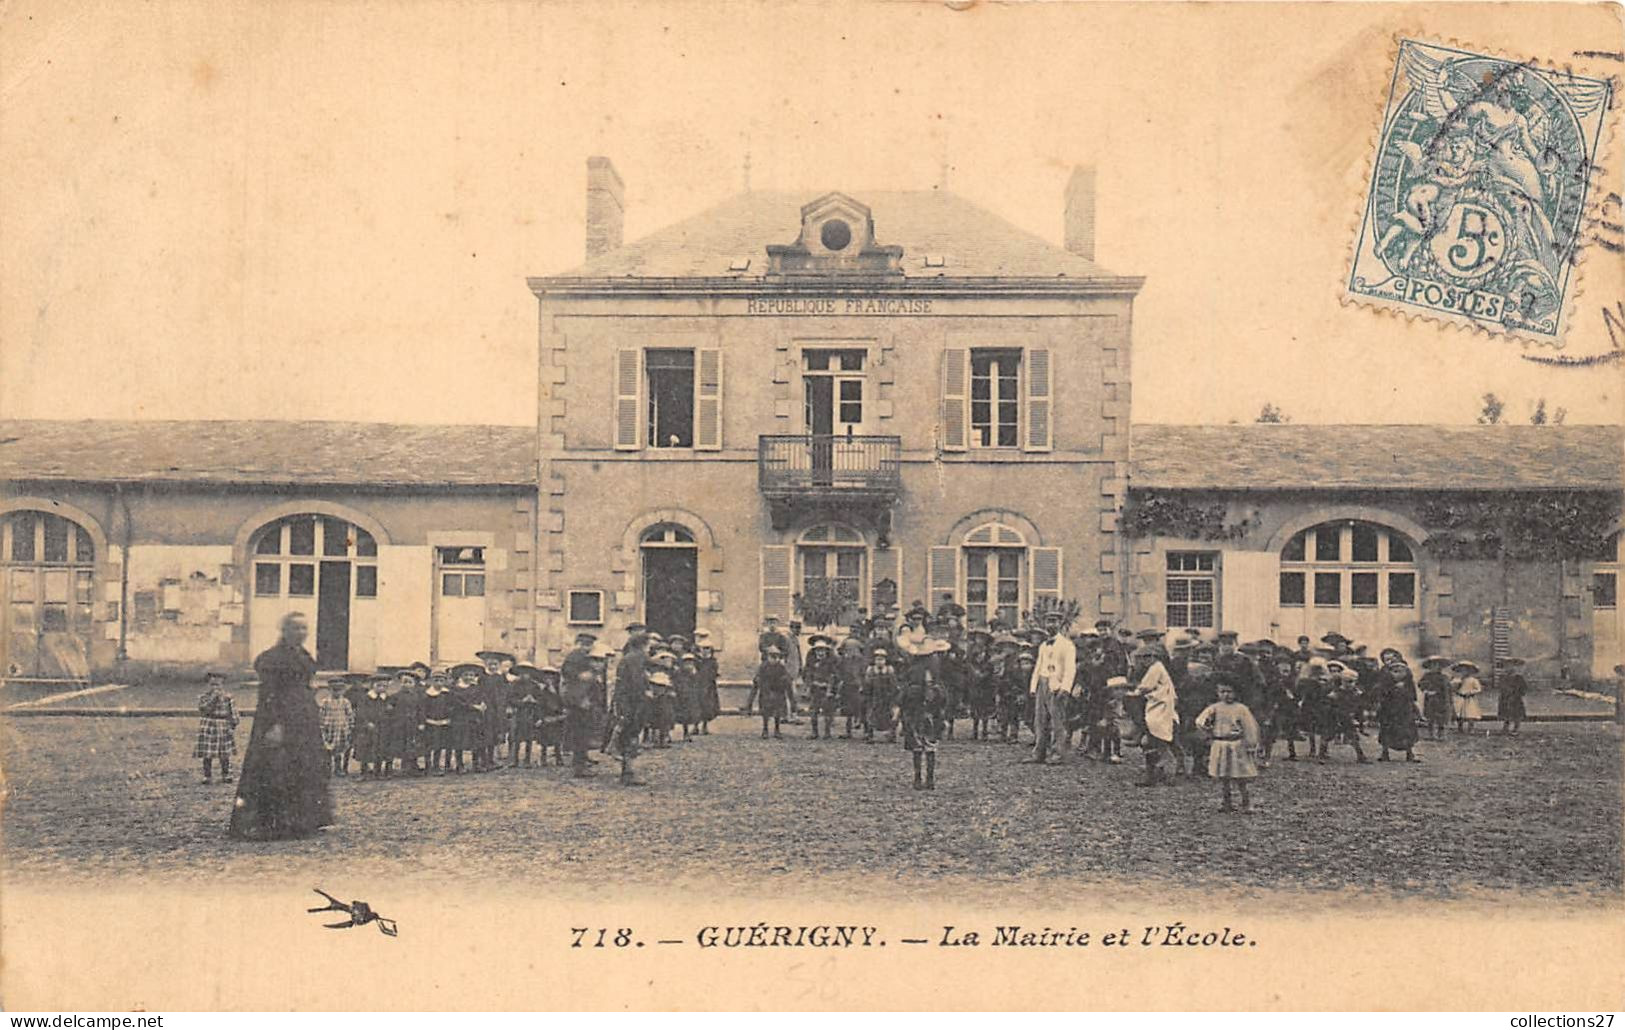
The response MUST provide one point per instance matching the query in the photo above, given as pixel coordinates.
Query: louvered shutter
(1046, 570)
(628, 382)
(1040, 406)
(885, 567)
(708, 401)
(955, 398)
(776, 581)
(942, 574)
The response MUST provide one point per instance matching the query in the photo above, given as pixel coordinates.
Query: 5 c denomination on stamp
(1474, 209)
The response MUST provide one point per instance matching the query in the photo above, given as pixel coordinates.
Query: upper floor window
(995, 402)
(833, 381)
(670, 389)
(997, 398)
(668, 397)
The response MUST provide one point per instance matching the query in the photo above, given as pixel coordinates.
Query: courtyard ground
(1528, 817)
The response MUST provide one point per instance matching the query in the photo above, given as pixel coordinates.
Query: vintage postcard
(766, 506)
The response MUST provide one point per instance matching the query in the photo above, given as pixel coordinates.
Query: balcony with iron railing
(829, 468)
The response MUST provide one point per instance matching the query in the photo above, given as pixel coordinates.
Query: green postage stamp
(1474, 212)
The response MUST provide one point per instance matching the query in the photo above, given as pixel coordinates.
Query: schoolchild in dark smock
(548, 730)
(524, 704)
(819, 676)
(922, 706)
(772, 687)
(981, 686)
(493, 688)
(630, 707)
(1342, 711)
(850, 661)
(437, 705)
(705, 678)
(1395, 698)
(1510, 707)
(372, 727)
(406, 722)
(467, 716)
(880, 695)
(1436, 699)
(216, 728)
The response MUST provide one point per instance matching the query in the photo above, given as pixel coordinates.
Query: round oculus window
(835, 234)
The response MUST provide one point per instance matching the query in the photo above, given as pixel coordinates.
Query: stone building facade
(857, 401)
(159, 548)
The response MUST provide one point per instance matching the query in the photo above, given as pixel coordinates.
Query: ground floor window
(994, 582)
(1190, 589)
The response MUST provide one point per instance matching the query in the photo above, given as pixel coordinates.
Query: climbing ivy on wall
(1153, 514)
(1522, 526)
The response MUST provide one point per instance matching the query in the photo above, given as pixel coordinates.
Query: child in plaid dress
(216, 729)
(338, 727)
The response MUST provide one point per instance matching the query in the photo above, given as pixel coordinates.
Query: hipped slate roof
(1348, 457)
(310, 453)
(973, 242)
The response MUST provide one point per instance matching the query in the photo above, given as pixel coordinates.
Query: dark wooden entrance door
(671, 581)
(333, 616)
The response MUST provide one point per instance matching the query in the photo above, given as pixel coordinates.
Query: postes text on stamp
(1473, 212)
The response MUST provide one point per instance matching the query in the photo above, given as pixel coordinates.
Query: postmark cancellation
(1474, 211)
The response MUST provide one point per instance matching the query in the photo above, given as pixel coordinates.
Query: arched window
(48, 565)
(832, 569)
(1356, 578)
(287, 552)
(667, 534)
(995, 558)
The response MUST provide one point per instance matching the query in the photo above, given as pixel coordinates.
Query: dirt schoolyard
(1536, 814)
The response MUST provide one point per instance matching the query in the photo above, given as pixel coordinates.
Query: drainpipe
(123, 583)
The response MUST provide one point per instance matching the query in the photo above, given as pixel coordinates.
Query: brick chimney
(606, 207)
(1080, 212)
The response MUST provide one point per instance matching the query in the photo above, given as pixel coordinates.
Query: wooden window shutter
(1040, 406)
(628, 397)
(885, 567)
(1046, 570)
(776, 581)
(708, 400)
(955, 398)
(943, 575)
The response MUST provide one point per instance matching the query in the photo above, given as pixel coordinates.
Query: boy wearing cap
(772, 688)
(1435, 695)
(823, 696)
(371, 727)
(492, 706)
(437, 705)
(523, 705)
(405, 724)
(1054, 673)
(467, 715)
(1343, 706)
(338, 724)
(922, 703)
(216, 727)
(578, 718)
(631, 703)
(1013, 696)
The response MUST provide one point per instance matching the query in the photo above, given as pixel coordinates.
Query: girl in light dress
(1465, 688)
(1235, 742)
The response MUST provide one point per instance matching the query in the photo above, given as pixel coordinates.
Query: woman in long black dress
(284, 792)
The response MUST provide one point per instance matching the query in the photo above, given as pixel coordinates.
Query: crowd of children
(1195, 709)
(1206, 709)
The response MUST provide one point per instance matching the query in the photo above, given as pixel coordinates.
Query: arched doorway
(47, 570)
(326, 568)
(1352, 577)
(670, 561)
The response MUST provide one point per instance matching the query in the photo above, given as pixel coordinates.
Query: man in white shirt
(1050, 688)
